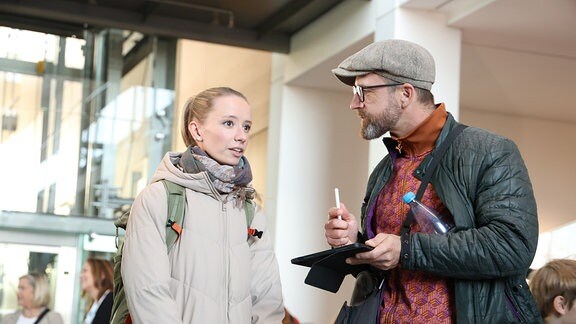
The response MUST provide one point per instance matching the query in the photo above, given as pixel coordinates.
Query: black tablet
(337, 255)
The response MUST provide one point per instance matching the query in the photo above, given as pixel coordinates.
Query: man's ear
(407, 94)
(560, 305)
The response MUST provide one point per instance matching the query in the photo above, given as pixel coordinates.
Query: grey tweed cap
(394, 59)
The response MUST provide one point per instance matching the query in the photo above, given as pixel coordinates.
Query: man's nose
(355, 103)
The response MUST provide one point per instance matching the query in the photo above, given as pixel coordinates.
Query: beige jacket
(51, 317)
(212, 274)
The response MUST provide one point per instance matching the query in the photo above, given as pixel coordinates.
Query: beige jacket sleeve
(267, 301)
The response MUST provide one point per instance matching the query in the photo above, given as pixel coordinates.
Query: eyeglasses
(359, 90)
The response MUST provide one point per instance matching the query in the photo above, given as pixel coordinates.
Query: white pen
(337, 196)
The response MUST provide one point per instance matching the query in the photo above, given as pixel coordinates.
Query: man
(476, 272)
(554, 288)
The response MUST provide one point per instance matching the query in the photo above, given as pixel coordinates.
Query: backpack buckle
(255, 232)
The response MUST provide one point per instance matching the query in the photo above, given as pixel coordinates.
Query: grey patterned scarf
(227, 179)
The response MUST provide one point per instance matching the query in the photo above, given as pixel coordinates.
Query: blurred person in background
(34, 297)
(554, 288)
(97, 281)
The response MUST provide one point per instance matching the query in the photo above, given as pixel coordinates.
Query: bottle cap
(408, 197)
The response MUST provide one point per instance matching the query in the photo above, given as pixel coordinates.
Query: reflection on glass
(81, 139)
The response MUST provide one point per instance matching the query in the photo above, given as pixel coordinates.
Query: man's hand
(384, 256)
(340, 231)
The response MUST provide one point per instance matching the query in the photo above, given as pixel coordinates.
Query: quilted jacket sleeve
(485, 184)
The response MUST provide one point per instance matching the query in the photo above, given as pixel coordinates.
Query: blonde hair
(556, 278)
(199, 106)
(41, 288)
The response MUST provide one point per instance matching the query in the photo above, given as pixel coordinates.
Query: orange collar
(422, 138)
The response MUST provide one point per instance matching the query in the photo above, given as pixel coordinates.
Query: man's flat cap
(394, 59)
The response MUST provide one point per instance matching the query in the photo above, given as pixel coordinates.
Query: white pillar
(317, 149)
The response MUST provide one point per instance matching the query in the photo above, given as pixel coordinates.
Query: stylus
(337, 196)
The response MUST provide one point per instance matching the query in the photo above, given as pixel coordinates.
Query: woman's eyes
(229, 123)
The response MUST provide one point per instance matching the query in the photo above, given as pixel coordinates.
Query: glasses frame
(359, 90)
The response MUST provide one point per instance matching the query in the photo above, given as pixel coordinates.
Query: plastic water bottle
(426, 217)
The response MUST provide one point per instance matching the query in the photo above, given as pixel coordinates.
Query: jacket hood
(169, 170)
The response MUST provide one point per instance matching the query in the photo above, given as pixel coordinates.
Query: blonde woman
(215, 273)
(97, 281)
(33, 297)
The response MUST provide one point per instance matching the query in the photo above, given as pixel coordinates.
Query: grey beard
(372, 131)
(377, 125)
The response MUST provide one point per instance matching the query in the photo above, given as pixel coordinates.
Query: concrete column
(317, 148)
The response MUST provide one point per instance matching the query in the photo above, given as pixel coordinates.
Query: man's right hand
(340, 231)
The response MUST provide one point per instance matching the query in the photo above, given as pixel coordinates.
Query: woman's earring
(199, 139)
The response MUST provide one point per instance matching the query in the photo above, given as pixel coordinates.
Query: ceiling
(264, 25)
(518, 56)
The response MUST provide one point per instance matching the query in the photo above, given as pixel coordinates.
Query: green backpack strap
(249, 208)
(176, 205)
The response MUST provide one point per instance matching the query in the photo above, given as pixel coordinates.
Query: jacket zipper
(226, 263)
(225, 240)
(512, 305)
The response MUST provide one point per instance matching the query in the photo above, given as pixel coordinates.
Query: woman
(215, 273)
(97, 281)
(33, 297)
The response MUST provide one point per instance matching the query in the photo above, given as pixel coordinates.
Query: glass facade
(85, 122)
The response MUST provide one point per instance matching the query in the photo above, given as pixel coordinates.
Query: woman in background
(34, 297)
(97, 281)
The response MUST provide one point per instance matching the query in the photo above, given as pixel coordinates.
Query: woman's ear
(560, 305)
(194, 129)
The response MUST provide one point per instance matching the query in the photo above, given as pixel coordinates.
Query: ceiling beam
(49, 27)
(46, 223)
(153, 24)
(285, 13)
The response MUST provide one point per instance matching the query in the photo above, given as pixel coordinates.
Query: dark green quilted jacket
(484, 183)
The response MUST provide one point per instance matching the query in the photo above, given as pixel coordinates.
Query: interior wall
(256, 154)
(548, 150)
(200, 66)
